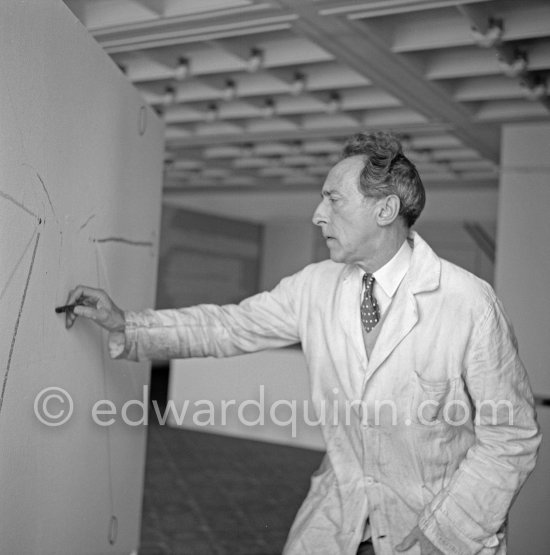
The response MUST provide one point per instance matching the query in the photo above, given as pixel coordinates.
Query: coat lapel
(400, 320)
(423, 275)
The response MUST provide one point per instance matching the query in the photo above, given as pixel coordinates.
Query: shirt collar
(392, 273)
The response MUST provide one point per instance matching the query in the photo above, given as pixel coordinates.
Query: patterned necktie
(370, 313)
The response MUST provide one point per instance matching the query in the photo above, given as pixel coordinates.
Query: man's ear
(387, 210)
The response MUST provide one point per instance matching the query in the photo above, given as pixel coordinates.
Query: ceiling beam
(389, 7)
(289, 135)
(169, 31)
(359, 46)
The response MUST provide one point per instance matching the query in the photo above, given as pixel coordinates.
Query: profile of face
(347, 218)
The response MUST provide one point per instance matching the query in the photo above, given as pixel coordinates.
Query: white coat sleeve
(468, 515)
(265, 320)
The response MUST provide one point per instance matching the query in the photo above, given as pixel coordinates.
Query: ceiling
(259, 95)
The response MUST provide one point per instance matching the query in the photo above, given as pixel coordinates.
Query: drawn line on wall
(125, 241)
(86, 222)
(14, 337)
(47, 194)
(17, 203)
(18, 263)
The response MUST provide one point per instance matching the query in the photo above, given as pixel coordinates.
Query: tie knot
(368, 280)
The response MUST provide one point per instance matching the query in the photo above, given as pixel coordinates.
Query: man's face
(345, 216)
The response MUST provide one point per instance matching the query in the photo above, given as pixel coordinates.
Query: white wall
(80, 187)
(522, 279)
(271, 386)
(523, 256)
(287, 248)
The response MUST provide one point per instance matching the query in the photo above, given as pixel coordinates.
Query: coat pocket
(428, 399)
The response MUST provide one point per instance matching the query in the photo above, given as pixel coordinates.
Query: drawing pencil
(65, 308)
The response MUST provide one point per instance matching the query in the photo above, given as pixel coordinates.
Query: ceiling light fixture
(212, 112)
(334, 103)
(268, 110)
(297, 148)
(168, 164)
(182, 69)
(247, 150)
(255, 61)
(514, 65)
(230, 90)
(299, 84)
(169, 96)
(535, 87)
(492, 36)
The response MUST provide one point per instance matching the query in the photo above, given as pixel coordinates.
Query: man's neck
(389, 245)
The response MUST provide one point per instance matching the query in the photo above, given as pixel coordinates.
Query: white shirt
(388, 278)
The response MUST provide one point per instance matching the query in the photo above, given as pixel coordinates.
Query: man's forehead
(344, 173)
(349, 166)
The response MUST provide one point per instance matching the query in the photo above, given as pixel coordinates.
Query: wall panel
(80, 172)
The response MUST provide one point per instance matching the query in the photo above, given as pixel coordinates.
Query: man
(430, 426)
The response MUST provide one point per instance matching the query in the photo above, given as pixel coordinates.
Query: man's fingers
(86, 311)
(75, 294)
(86, 295)
(69, 319)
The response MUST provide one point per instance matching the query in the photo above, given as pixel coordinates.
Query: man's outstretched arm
(266, 320)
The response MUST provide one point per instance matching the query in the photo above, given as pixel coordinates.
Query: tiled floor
(211, 494)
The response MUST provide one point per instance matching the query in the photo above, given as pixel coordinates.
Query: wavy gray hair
(387, 171)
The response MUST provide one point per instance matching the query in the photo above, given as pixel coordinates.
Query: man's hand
(416, 536)
(96, 305)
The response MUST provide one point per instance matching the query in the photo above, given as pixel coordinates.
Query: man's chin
(336, 256)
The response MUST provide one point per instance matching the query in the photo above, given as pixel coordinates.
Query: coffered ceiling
(259, 95)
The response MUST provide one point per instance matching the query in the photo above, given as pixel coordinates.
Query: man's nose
(319, 216)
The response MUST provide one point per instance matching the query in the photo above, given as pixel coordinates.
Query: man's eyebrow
(327, 192)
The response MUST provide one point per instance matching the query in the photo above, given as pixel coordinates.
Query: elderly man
(429, 427)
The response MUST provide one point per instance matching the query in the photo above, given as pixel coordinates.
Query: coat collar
(425, 270)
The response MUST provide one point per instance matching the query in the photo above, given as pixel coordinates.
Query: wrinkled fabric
(411, 436)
